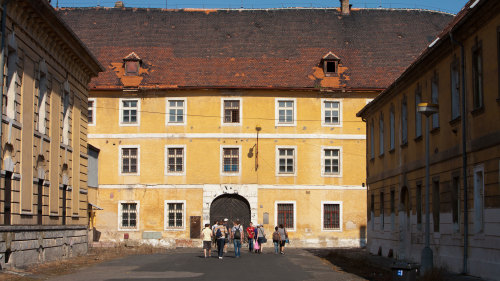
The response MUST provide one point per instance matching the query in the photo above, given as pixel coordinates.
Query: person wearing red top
(251, 234)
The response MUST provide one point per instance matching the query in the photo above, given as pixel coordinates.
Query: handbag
(256, 245)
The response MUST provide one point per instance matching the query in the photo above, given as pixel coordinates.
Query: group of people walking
(220, 235)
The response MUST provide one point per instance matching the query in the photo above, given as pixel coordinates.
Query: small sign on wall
(266, 218)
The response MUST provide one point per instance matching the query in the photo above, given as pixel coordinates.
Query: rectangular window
(372, 141)
(286, 215)
(129, 215)
(285, 112)
(175, 215)
(436, 203)
(478, 198)
(331, 113)
(331, 216)
(404, 121)
(455, 203)
(419, 206)
(477, 75)
(175, 162)
(129, 160)
(131, 68)
(231, 160)
(392, 129)
(418, 116)
(91, 112)
(286, 161)
(393, 213)
(382, 211)
(330, 67)
(455, 89)
(435, 99)
(231, 111)
(331, 161)
(129, 112)
(66, 115)
(175, 111)
(372, 211)
(381, 134)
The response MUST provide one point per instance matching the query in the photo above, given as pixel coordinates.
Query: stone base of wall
(21, 246)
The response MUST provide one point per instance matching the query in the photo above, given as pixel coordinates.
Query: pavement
(190, 264)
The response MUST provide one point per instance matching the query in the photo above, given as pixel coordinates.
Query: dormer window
(132, 62)
(330, 64)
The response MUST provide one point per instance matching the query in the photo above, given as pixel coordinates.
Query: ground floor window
(332, 215)
(129, 214)
(286, 214)
(174, 214)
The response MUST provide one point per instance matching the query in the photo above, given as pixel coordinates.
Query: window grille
(331, 216)
(285, 215)
(129, 160)
(129, 215)
(175, 215)
(332, 160)
(285, 112)
(286, 160)
(332, 113)
(231, 160)
(129, 115)
(231, 111)
(176, 111)
(175, 159)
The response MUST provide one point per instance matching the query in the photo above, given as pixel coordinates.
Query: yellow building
(239, 114)
(464, 234)
(43, 196)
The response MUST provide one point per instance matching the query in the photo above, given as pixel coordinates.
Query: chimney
(345, 7)
(119, 4)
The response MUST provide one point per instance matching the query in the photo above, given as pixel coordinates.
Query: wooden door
(195, 227)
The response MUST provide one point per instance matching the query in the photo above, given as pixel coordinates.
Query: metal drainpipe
(2, 67)
(464, 153)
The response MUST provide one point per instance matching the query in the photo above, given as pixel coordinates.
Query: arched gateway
(232, 207)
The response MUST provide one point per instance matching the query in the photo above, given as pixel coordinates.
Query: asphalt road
(189, 264)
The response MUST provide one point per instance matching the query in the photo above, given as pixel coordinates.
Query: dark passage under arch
(232, 207)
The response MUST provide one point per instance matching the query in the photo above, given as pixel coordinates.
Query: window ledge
(455, 121)
(417, 139)
(391, 151)
(435, 130)
(66, 147)
(403, 145)
(477, 111)
(381, 155)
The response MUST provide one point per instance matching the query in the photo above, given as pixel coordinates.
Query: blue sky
(450, 6)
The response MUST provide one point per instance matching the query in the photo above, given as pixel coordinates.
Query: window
(231, 112)
(404, 121)
(455, 203)
(372, 212)
(231, 160)
(42, 98)
(477, 75)
(285, 160)
(381, 134)
(91, 111)
(331, 216)
(176, 111)
(382, 211)
(498, 60)
(286, 215)
(330, 67)
(175, 215)
(175, 160)
(331, 161)
(419, 206)
(393, 213)
(129, 112)
(455, 89)
(436, 203)
(129, 158)
(12, 77)
(435, 99)
(131, 68)
(478, 198)
(418, 116)
(331, 113)
(285, 112)
(66, 113)
(392, 128)
(372, 140)
(129, 215)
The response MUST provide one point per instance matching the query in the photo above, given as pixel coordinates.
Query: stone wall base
(21, 246)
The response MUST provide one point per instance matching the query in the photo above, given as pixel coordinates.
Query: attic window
(330, 67)
(330, 63)
(131, 68)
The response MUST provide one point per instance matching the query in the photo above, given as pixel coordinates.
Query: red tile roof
(276, 48)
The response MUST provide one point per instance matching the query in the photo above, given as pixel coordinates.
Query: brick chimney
(345, 7)
(119, 4)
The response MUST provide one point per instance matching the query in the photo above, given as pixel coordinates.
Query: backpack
(237, 233)
(218, 233)
(276, 236)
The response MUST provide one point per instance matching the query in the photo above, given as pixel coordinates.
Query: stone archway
(230, 206)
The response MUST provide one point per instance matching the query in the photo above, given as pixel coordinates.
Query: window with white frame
(285, 215)
(176, 111)
(42, 98)
(381, 134)
(285, 112)
(435, 99)
(230, 160)
(286, 160)
(129, 160)
(12, 77)
(66, 112)
(175, 215)
(231, 111)
(332, 215)
(91, 111)
(129, 112)
(175, 160)
(129, 215)
(392, 128)
(404, 121)
(418, 115)
(331, 113)
(372, 140)
(331, 161)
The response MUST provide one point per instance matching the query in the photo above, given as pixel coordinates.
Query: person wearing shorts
(207, 234)
(284, 236)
